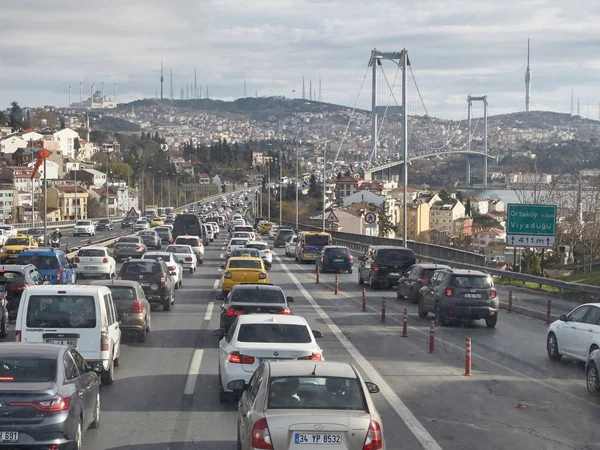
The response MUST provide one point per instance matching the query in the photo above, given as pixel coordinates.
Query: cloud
(456, 48)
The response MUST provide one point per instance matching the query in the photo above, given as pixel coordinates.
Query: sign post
(531, 225)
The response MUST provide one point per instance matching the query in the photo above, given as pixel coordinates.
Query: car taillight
(313, 357)
(171, 267)
(188, 259)
(17, 335)
(105, 261)
(267, 251)
(449, 292)
(137, 307)
(325, 258)
(163, 279)
(226, 274)
(19, 287)
(53, 405)
(236, 358)
(261, 436)
(104, 345)
(374, 439)
(262, 276)
(285, 311)
(228, 249)
(77, 260)
(493, 294)
(138, 246)
(233, 312)
(58, 275)
(119, 277)
(350, 258)
(376, 267)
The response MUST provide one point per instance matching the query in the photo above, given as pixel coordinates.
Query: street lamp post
(297, 204)
(153, 191)
(269, 190)
(161, 189)
(324, 166)
(280, 187)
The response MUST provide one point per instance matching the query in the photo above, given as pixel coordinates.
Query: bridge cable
(418, 90)
(391, 88)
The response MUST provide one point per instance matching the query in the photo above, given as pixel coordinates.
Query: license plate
(261, 360)
(472, 295)
(338, 260)
(317, 438)
(90, 268)
(394, 274)
(69, 342)
(144, 284)
(9, 437)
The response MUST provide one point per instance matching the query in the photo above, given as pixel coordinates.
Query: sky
(456, 48)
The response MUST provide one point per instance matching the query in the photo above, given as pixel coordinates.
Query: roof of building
(93, 172)
(70, 189)
(102, 192)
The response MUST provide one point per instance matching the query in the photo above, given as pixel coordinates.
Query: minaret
(527, 80)
(572, 100)
(303, 90)
(171, 83)
(103, 94)
(320, 98)
(578, 105)
(162, 79)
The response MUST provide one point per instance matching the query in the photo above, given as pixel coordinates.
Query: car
(165, 233)
(154, 278)
(592, 372)
(576, 334)
(15, 279)
(54, 385)
(335, 258)
(265, 227)
(9, 230)
(265, 252)
(233, 244)
(208, 231)
(255, 338)
(129, 247)
(141, 225)
(245, 252)
(242, 235)
(157, 222)
(246, 229)
(174, 266)
(242, 270)
(93, 261)
(128, 223)
(133, 309)
(185, 255)
(252, 298)
(460, 294)
(195, 243)
(188, 225)
(151, 239)
(383, 265)
(290, 246)
(105, 225)
(82, 317)
(84, 227)
(273, 231)
(282, 237)
(215, 225)
(15, 245)
(37, 234)
(415, 278)
(297, 404)
(52, 264)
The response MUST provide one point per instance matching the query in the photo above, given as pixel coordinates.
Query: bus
(310, 244)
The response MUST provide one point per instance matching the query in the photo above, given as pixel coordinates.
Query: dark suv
(104, 225)
(15, 279)
(335, 257)
(154, 277)
(414, 279)
(460, 294)
(383, 265)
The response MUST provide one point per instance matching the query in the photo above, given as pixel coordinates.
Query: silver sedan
(307, 404)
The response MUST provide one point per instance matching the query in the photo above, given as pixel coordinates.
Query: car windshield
(274, 333)
(253, 295)
(141, 267)
(316, 240)
(472, 281)
(92, 252)
(312, 392)
(104, 221)
(61, 311)
(244, 264)
(42, 262)
(141, 222)
(395, 256)
(337, 252)
(156, 256)
(83, 223)
(17, 241)
(258, 246)
(178, 249)
(27, 369)
(35, 231)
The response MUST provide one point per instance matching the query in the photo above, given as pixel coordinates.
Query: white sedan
(264, 250)
(273, 232)
(94, 261)
(254, 338)
(290, 247)
(141, 225)
(185, 255)
(576, 334)
(172, 263)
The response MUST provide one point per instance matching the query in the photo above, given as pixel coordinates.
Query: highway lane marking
(425, 332)
(413, 424)
(193, 372)
(221, 256)
(216, 285)
(209, 311)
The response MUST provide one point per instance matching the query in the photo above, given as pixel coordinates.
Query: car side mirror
(221, 267)
(372, 387)
(220, 333)
(237, 386)
(317, 334)
(563, 318)
(290, 299)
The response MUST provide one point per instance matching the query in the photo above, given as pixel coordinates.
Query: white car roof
(272, 318)
(79, 289)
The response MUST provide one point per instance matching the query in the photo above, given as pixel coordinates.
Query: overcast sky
(456, 47)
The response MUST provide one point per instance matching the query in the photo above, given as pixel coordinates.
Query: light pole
(269, 189)
(153, 191)
(76, 195)
(161, 188)
(324, 165)
(297, 204)
(280, 187)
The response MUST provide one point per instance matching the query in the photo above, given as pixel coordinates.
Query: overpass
(394, 172)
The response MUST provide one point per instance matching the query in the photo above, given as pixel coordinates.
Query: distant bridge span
(471, 155)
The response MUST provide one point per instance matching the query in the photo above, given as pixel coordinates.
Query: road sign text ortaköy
(531, 225)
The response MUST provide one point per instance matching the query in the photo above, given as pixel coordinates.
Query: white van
(83, 317)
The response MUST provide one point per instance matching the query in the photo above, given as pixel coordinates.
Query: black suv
(460, 294)
(15, 278)
(383, 265)
(335, 257)
(414, 279)
(253, 299)
(155, 279)
(105, 225)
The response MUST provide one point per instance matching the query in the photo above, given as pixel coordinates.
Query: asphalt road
(516, 398)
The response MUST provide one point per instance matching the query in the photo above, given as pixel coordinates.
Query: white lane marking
(216, 285)
(209, 311)
(413, 424)
(193, 372)
(221, 256)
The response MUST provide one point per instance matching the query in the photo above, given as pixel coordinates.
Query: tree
(468, 210)
(44, 119)
(2, 119)
(15, 116)
(93, 207)
(385, 224)
(314, 189)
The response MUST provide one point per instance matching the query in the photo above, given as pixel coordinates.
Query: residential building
(216, 180)
(86, 151)
(91, 176)
(479, 205)
(100, 195)
(488, 236)
(203, 178)
(63, 197)
(32, 136)
(127, 198)
(20, 177)
(442, 216)
(346, 186)
(66, 141)
(7, 203)
(496, 206)
(463, 227)
(417, 220)
(52, 169)
(11, 144)
(186, 167)
(348, 221)
(258, 158)
(363, 196)
(529, 178)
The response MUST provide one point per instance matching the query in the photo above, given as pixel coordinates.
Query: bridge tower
(470, 100)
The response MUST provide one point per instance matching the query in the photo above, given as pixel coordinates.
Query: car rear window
(187, 241)
(155, 256)
(146, 233)
(141, 267)
(472, 281)
(25, 369)
(274, 333)
(258, 246)
(239, 241)
(253, 295)
(42, 262)
(91, 252)
(244, 264)
(178, 249)
(61, 311)
(316, 240)
(128, 239)
(337, 252)
(122, 293)
(395, 256)
(246, 251)
(8, 277)
(315, 393)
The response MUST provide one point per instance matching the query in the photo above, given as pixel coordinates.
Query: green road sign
(533, 220)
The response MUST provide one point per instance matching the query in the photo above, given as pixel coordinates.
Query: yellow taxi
(16, 244)
(157, 222)
(243, 269)
(265, 227)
